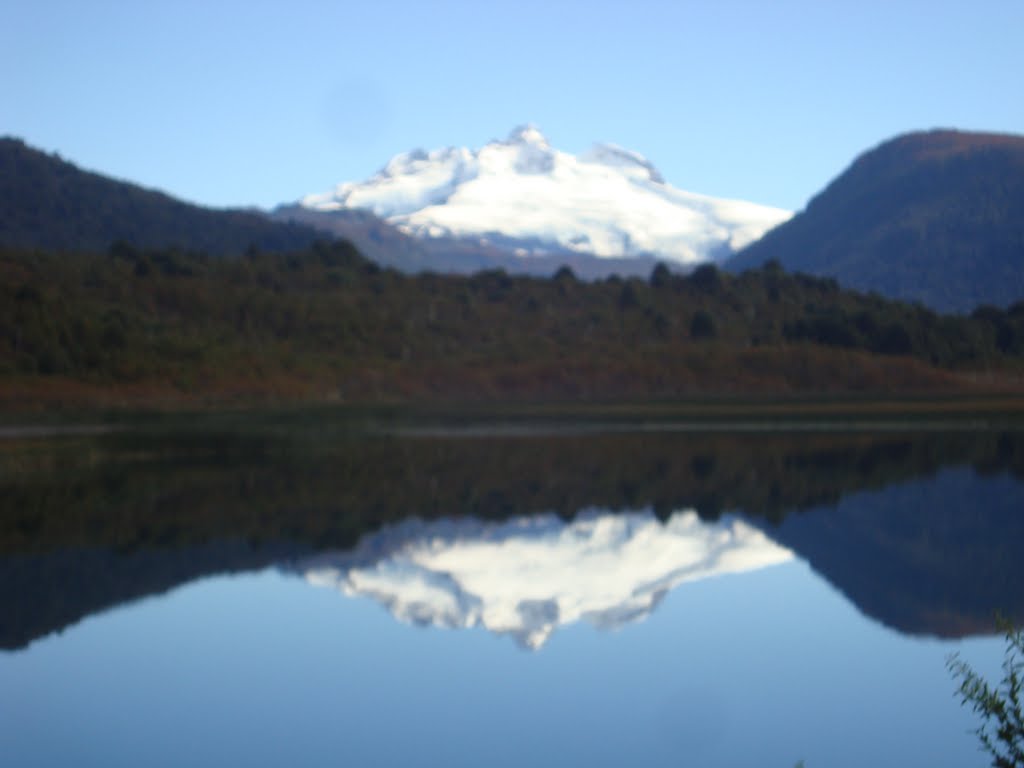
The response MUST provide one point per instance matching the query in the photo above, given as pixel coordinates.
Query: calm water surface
(309, 596)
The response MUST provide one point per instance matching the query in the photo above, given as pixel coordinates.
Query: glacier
(527, 576)
(609, 202)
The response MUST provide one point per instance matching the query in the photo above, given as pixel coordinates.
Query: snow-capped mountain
(524, 196)
(527, 576)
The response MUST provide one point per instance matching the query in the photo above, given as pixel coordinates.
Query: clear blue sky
(256, 103)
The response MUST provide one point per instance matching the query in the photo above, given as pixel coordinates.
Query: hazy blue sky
(237, 103)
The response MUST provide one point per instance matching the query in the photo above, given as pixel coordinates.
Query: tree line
(328, 317)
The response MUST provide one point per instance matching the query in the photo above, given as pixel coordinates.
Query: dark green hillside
(933, 217)
(325, 323)
(50, 204)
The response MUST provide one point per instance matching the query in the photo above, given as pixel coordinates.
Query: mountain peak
(528, 198)
(527, 134)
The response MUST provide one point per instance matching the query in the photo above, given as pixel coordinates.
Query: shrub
(1002, 721)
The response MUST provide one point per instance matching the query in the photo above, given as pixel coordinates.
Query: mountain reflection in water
(527, 576)
(920, 530)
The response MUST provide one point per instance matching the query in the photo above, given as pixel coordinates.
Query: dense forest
(324, 323)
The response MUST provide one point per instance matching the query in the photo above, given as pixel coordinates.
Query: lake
(312, 589)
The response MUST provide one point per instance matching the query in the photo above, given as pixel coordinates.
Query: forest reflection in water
(920, 529)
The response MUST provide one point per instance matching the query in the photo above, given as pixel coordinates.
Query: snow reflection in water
(527, 576)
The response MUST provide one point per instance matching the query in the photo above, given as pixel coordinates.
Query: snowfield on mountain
(523, 195)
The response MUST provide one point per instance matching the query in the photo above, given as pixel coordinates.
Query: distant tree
(494, 284)
(119, 249)
(660, 276)
(661, 324)
(627, 296)
(702, 326)
(894, 339)
(988, 314)
(1006, 338)
(832, 330)
(706, 278)
(565, 274)
(773, 276)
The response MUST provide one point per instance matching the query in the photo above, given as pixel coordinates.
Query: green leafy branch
(1002, 721)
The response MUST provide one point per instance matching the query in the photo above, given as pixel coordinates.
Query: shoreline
(434, 418)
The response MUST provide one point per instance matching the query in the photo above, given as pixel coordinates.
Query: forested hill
(936, 217)
(326, 324)
(48, 203)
